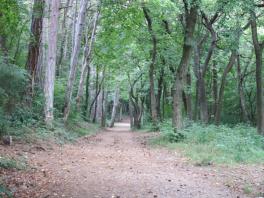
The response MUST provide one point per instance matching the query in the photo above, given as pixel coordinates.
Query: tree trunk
(35, 42)
(120, 112)
(159, 96)
(64, 33)
(131, 110)
(258, 53)
(241, 92)
(115, 106)
(97, 92)
(86, 61)
(104, 100)
(87, 97)
(4, 48)
(51, 61)
(228, 68)
(189, 97)
(191, 17)
(74, 59)
(214, 89)
(153, 106)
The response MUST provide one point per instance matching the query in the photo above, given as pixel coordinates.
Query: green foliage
(9, 163)
(60, 133)
(4, 192)
(217, 144)
(59, 92)
(13, 83)
(9, 17)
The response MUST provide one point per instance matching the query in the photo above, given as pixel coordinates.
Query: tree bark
(258, 47)
(241, 92)
(200, 70)
(86, 61)
(64, 33)
(188, 95)
(214, 89)
(35, 43)
(87, 96)
(97, 93)
(51, 61)
(74, 58)
(159, 96)
(115, 106)
(153, 106)
(190, 23)
(228, 68)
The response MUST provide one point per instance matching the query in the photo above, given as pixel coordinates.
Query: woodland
(191, 71)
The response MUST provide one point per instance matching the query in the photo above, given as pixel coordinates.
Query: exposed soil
(119, 163)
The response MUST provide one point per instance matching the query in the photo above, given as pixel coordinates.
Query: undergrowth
(5, 192)
(214, 144)
(59, 133)
(10, 163)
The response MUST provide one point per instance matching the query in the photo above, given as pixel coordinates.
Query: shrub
(218, 144)
(4, 192)
(8, 163)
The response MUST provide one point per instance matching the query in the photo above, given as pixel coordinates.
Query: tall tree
(153, 102)
(86, 60)
(74, 58)
(35, 41)
(220, 97)
(50, 67)
(191, 12)
(201, 69)
(258, 46)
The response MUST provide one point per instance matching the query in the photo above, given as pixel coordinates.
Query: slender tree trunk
(228, 68)
(214, 89)
(153, 106)
(103, 117)
(115, 106)
(201, 70)
(259, 82)
(160, 87)
(51, 61)
(74, 59)
(120, 112)
(4, 48)
(64, 32)
(86, 61)
(131, 110)
(189, 97)
(164, 100)
(87, 97)
(96, 94)
(241, 92)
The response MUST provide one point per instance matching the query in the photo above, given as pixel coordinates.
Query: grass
(60, 133)
(10, 163)
(4, 192)
(215, 144)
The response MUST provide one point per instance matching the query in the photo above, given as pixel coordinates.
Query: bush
(12, 87)
(8, 163)
(4, 192)
(170, 134)
(218, 144)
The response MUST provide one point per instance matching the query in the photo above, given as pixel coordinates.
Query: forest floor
(118, 163)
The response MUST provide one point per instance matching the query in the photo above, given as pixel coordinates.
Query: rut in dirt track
(118, 163)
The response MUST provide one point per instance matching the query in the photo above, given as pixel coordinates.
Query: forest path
(118, 163)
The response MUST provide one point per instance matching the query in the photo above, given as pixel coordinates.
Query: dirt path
(117, 163)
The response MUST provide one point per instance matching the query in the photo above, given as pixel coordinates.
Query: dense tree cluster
(198, 60)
